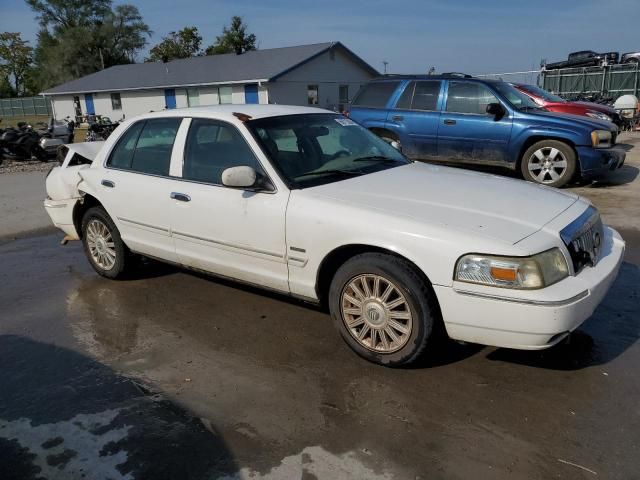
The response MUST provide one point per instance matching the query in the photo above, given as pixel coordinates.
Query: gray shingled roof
(261, 65)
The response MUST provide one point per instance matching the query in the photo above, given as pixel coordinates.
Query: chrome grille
(583, 238)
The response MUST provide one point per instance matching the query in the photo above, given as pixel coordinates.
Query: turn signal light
(504, 274)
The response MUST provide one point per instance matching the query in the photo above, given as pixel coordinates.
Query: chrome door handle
(397, 118)
(108, 183)
(182, 197)
(448, 121)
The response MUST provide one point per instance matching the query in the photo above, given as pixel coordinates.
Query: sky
(476, 37)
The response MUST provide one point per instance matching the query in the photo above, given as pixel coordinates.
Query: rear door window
(146, 147)
(122, 154)
(425, 96)
(404, 102)
(376, 94)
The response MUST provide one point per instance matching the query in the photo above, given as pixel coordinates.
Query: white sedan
(306, 202)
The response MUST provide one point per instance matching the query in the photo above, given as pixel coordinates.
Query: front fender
(522, 134)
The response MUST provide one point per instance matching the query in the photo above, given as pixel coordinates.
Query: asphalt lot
(172, 375)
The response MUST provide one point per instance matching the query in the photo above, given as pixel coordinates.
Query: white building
(324, 74)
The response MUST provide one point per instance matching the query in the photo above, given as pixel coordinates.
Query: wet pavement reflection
(261, 386)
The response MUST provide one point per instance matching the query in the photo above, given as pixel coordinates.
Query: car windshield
(515, 97)
(546, 96)
(314, 149)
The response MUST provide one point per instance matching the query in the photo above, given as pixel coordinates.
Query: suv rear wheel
(549, 162)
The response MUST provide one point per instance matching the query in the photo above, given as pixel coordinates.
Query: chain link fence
(23, 106)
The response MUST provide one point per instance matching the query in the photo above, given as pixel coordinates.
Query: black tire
(420, 301)
(539, 175)
(39, 153)
(122, 254)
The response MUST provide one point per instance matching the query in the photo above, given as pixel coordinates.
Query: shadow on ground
(93, 422)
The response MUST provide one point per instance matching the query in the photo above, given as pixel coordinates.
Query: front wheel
(383, 309)
(549, 162)
(107, 253)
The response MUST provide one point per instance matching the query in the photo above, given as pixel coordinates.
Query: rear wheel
(383, 309)
(107, 253)
(549, 162)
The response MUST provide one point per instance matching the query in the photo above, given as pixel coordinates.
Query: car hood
(597, 107)
(583, 121)
(500, 208)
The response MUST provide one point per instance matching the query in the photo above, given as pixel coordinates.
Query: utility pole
(385, 63)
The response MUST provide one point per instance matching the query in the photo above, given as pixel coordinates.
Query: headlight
(601, 138)
(599, 116)
(523, 273)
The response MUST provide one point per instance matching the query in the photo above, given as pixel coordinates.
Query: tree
(183, 44)
(233, 39)
(6, 89)
(79, 37)
(15, 60)
(61, 15)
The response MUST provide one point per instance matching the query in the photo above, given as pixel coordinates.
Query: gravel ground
(12, 166)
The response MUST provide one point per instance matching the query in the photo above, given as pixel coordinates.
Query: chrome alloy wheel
(547, 165)
(101, 246)
(376, 313)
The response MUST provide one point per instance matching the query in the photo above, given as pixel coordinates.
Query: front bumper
(533, 319)
(596, 162)
(61, 214)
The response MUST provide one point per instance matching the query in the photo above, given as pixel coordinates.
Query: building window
(226, 95)
(312, 94)
(116, 102)
(193, 97)
(343, 97)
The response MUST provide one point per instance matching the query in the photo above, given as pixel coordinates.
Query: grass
(33, 120)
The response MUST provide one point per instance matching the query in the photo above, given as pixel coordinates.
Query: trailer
(607, 81)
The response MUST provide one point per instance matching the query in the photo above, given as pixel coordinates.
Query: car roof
(230, 112)
(400, 77)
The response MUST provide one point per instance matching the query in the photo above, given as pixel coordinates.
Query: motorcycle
(22, 143)
(100, 130)
(57, 133)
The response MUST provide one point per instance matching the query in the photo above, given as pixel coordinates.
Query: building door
(251, 93)
(88, 99)
(169, 98)
(77, 109)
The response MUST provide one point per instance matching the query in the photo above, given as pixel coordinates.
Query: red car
(554, 103)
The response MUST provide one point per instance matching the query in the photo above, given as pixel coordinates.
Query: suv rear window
(375, 94)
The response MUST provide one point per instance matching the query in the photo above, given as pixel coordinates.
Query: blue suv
(466, 120)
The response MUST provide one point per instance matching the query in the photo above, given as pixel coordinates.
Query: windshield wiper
(332, 171)
(378, 158)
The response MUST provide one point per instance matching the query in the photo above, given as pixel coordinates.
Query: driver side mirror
(245, 177)
(495, 109)
(396, 144)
